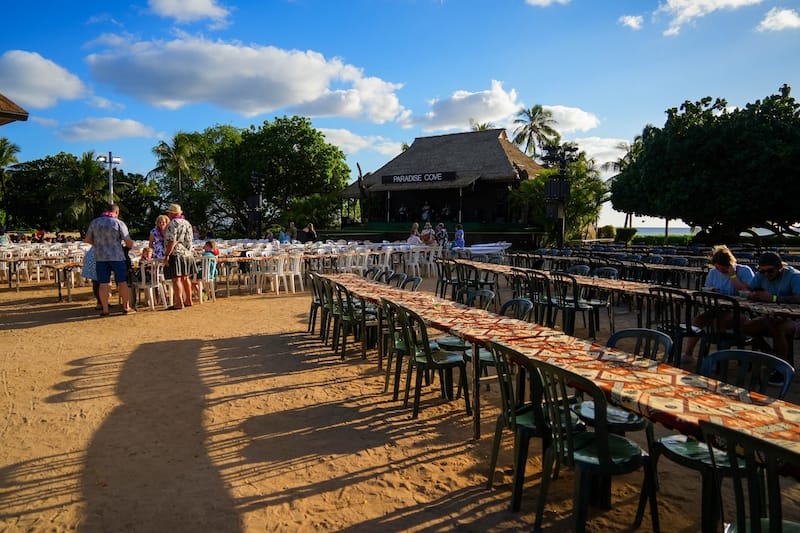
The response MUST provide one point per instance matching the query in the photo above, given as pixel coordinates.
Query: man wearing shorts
(106, 234)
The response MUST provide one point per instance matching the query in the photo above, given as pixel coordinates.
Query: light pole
(557, 190)
(111, 161)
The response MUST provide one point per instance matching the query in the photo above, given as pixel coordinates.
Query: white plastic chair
(151, 278)
(276, 268)
(208, 276)
(296, 270)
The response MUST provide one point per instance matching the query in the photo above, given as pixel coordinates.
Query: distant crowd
(15, 237)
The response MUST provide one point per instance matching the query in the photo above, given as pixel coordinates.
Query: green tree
(587, 194)
(480, 126)
(8, 156)
(720, 170)
(176, 162)
(535, 128)
(294, 162)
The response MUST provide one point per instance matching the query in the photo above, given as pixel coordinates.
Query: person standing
(292, 232)
(180, 264)
(157, 236)
(107, 235)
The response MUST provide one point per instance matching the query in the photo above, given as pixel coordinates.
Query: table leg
(58, 284)
(68, 282)
(476, 391)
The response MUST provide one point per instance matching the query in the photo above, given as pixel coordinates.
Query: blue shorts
(104, 269)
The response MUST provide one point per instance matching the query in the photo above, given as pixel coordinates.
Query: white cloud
(351, 143)
(104, 129)
(633, 22)
(686, 11)
(545, 3)
(189, 10)
(492, 105)
(601, 149)
(33, 81)
(250, 80)
(569, 119)
(46, 122)
(780, 19)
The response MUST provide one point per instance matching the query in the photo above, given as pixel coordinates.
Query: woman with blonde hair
(726, 277)
(157, 236)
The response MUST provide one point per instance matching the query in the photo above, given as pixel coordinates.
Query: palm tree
(480, 126)
(85, 191)
(175, 159)
(535, 129)
(8, 157)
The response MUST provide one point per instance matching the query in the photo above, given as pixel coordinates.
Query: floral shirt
(107, 234)
(158, 244)
(180, 232)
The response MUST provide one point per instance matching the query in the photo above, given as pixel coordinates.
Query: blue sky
(373, 74)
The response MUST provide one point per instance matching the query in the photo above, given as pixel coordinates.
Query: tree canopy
(721, 170)
(215, 174)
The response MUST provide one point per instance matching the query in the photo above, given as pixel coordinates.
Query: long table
(671, 396)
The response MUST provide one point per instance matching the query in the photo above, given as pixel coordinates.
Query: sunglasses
(768, 271)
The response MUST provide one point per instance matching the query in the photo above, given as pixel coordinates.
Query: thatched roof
(9, 111)
(485, 155)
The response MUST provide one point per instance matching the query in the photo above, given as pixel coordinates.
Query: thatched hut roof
(9, 111)
(468, 157)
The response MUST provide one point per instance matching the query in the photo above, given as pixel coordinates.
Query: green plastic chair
(593, 454)
(425, 358)
(750, 462)
(524, 417)
(740, 368)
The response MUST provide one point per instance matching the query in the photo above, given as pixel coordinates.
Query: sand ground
(229, 417)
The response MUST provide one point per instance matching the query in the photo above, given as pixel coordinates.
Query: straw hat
(174, 209)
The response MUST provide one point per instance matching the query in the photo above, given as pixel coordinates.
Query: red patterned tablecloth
(663, 393)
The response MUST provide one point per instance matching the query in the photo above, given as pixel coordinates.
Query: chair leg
(498, 433)
(520, 459)
(547, 469)
(580, 499)
(417, 393)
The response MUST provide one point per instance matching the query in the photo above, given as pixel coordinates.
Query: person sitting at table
(774, 283)
(307, 234)
(727, 277)
(414, 239)
(459, 239)
(428, 236)
(441, 235)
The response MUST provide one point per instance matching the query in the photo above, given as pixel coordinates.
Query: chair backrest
(748, 369)
(539, 293)
(383, 275)
(481, 298)
(722, 312)
(607, 272)
(208, 268)
(519, 308)
(397, 279)
(557, 384)
(642, 342)
(411, 283)
(672, 309)
(371, 272)
(753, 461)
(415, 332)
(504, 360)
(580, 270)
(566, 292)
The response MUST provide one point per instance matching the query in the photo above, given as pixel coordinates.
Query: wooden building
(459, 177)
(9, 111)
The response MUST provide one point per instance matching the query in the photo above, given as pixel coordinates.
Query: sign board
(422, 177)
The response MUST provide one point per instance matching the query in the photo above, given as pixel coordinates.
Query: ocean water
(673, 230)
